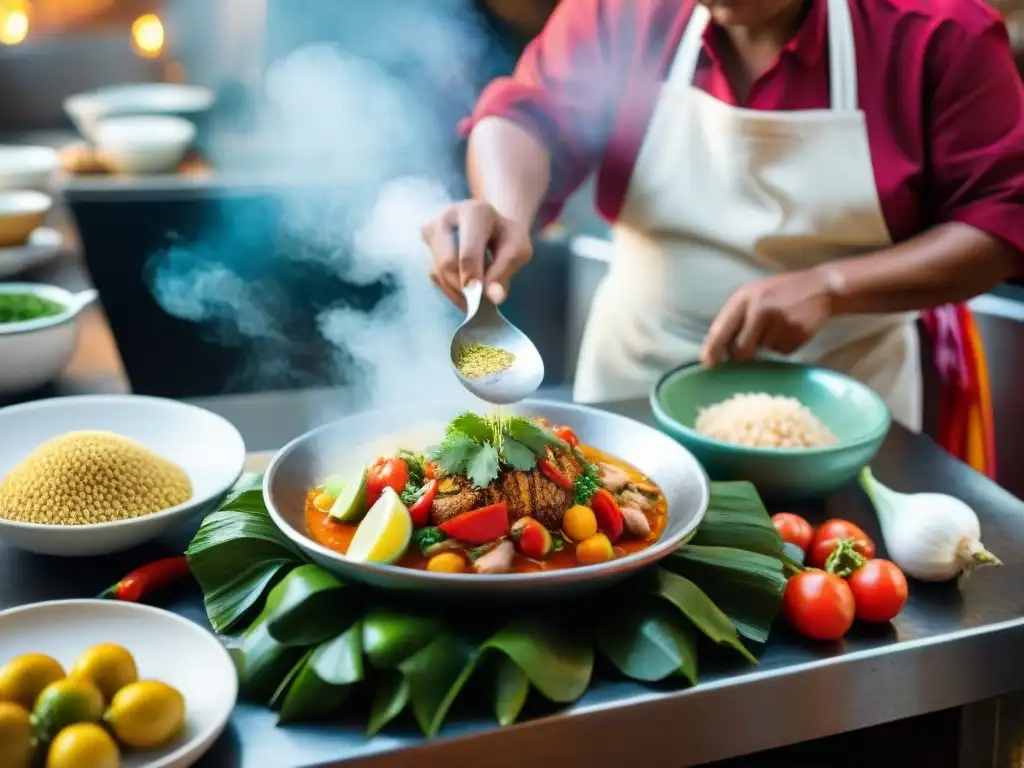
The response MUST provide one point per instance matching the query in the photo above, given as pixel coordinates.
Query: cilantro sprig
(478, 447)
(587, 483)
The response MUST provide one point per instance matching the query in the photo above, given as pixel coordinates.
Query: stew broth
(337, 536)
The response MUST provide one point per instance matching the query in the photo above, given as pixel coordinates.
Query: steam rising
(376, 158)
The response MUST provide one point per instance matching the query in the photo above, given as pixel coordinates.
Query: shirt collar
(807, 45)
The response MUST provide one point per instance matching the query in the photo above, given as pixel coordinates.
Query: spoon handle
(474, 292)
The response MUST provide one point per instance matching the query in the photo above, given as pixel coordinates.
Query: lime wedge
(334, 485)
(350, 503)
(385, 532)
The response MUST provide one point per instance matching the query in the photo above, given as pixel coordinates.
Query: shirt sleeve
(561, 92)
(977, 131)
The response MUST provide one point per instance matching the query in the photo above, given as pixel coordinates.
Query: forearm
(947, 264)
(509, 168)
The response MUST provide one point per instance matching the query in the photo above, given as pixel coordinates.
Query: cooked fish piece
(637, 524)
(614, 479)
(498, 560)
(632, 498)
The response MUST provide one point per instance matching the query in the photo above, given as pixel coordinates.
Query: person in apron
(742, 231)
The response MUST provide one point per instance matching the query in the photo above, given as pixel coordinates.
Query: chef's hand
(779, 313)
(458, 261)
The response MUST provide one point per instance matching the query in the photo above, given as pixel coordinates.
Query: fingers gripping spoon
(484, 324)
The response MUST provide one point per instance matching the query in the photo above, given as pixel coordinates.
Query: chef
(788, 178)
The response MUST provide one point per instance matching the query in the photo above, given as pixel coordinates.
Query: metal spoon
(484, 324)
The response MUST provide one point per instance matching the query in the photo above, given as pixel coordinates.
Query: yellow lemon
(385, 532)
(83, 745)
(15, 736)
(65, 703)
(146, 714)
(109, 666)
(23, 678)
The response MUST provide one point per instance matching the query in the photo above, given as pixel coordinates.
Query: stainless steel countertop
(950, 646)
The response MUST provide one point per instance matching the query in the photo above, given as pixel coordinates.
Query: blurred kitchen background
(210, 280)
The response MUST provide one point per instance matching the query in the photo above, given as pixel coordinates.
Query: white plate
(24, 167)
(205, 445)
(166, 647)
(43, 244)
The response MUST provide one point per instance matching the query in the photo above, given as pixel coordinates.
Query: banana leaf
(326, 679)
(650, 641)
(557, 662)
(262, 662)
(278, 698)
(436, 674)
(390, 698)
(698, 608)
(390, 637)
(511, 689)
(746, 586)
(310, 606)
(736, 517)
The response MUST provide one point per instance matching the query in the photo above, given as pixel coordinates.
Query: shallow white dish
(86, 109)
(202, 443)
(26, 167)
(34, 352)
(355, 440)
(43, 244)
(22, 211)
(145, 144)
(166, 647)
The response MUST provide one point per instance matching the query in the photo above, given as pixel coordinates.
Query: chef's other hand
(779, 313)
(458, 261)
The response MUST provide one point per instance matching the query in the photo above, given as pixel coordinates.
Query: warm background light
(14, 22)
(148, 35)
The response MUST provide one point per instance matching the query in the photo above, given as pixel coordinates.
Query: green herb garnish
(22, 307)
(587, 483)
(414, 462)
(428, 537)
(477, 447)
(412, 493)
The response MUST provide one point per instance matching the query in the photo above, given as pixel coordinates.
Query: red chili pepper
(420, 509)
(566, 434)
(609, 517)
(554, 474)
(149, 578)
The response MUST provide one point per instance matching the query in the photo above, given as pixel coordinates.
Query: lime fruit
(83, 745)
(385, 532)
(65, 703)
(23, 678)
(350, 504)
(146, 714)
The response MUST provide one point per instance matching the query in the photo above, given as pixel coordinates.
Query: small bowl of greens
(38, 333)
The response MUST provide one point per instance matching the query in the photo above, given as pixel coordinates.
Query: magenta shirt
(942, 97)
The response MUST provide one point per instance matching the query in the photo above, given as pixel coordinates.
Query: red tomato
(880, 590)
(385, 473)
(793, 529)
(827, 538)
(566, 434)
(819, 605)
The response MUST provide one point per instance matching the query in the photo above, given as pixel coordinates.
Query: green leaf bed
(313, 647)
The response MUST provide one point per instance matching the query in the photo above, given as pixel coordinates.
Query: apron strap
(842, 55)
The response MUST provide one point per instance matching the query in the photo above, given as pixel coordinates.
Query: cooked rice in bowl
(760, 420)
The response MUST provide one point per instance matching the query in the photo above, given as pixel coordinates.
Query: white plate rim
(202, 741)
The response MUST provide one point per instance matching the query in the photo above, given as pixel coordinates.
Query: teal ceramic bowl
(853, 412)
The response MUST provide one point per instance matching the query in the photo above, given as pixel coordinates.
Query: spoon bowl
(484, 324)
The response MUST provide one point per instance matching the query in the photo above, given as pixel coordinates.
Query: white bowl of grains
(93, 475)
(794, 431)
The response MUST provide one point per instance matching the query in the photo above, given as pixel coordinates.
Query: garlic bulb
(931, 536)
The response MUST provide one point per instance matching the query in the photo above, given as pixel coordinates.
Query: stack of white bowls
(140, 129)
(25, 174)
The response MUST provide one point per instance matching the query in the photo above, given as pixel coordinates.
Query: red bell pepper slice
(554, 474)
(478, 526)
(566, 434)
(609, 517)
(419, 511)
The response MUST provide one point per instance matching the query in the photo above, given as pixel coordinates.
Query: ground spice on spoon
(478, 360)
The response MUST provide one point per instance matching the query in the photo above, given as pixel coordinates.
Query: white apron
(722, 196)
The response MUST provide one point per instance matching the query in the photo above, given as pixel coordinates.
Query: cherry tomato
(566, 434)
(385, 473)
(879, 589)
(819, 605)
(793, 529)
(829, 534)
